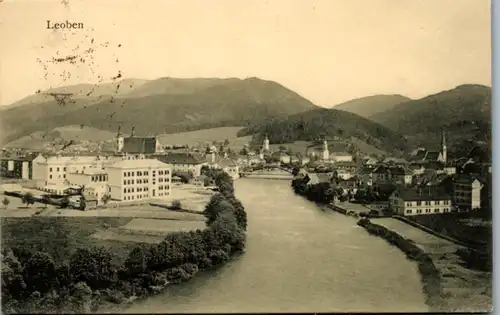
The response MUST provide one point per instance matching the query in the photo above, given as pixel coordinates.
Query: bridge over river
(274, 173)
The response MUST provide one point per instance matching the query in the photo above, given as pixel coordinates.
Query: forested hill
(451, 110)
(319, 123)
(166, 105)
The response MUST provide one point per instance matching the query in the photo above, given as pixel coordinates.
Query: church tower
(119, 140)
(443, 147)
(326, 153)
(266, 144)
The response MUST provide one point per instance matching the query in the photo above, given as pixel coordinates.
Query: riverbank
(55, 275)
(448, 285)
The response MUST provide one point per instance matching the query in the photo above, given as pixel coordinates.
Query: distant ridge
(165, 105)
(371, 105)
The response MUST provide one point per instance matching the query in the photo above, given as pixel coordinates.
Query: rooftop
(422, 194)
(140, 163)
(181, 158)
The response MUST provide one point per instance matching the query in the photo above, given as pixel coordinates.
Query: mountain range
(165, 105)
(169, 105)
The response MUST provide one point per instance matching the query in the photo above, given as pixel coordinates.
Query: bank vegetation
(33, 281)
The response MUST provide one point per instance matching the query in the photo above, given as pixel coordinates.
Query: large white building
(132, 180)
(422, 201)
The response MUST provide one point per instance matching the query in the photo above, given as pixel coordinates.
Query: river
(298, 259)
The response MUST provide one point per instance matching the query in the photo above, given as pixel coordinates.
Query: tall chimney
(133, 131)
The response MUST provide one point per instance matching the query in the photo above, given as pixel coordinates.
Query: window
(419, 203)
(64, 175)
(427, 210)
(124, 182)
(419, 211)
(446, 202)
(124, 190)
(408, 204)
(436, 210)
(427, 203)
(58, 169)
(64, 169)
(50, 176)
(408, 211)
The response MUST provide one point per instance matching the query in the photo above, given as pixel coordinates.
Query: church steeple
(119, 140)
(443, 146)
(326, 153)
(266, 143)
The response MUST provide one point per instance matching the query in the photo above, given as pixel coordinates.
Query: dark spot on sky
(119, 45)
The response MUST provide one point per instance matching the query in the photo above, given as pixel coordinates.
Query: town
(141, 170)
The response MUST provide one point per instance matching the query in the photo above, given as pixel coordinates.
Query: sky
(328, 51)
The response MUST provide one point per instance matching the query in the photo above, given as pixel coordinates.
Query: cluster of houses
(426, 183)
(140, 168)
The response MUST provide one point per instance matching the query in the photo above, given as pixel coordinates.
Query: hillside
(464, 112)
(205, 103)
(371, 105)
(463, 105)
(82, 91)
(316, 124)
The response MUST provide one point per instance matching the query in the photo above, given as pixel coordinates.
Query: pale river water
(298, 259)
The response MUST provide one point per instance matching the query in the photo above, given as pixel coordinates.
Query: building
(423, 155)
(467, 192)
(183, 162)
(365, 175)
(265, 145)
(326, 153)
(17, 165)
(93, 181)
(343, 174)
(282, 157)
(136, 145)
(395, 174)
(341, 157)
(134, 180)
(229, 166)
(50, 170)
(419, 201)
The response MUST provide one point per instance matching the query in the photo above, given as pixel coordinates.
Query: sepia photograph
(263, 156)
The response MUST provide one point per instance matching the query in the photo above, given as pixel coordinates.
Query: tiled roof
(400, 171)
(420, 155)
(365, 170)
(140, 163)
(181, 158)
(428, 193)
(226, 162)
(432, 156)
(139, 145)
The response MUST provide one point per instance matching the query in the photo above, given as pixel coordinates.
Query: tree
(82, 204)
(105, 199)
(217, 205)
(5, 202)
(93, 266)
(176, 204)
(136, 262)
(226, 142)
(64, 202)
(28, 199)
(40, 272)
(45, 200)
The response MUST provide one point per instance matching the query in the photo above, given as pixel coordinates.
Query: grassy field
(200, 137)
(59, 236)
